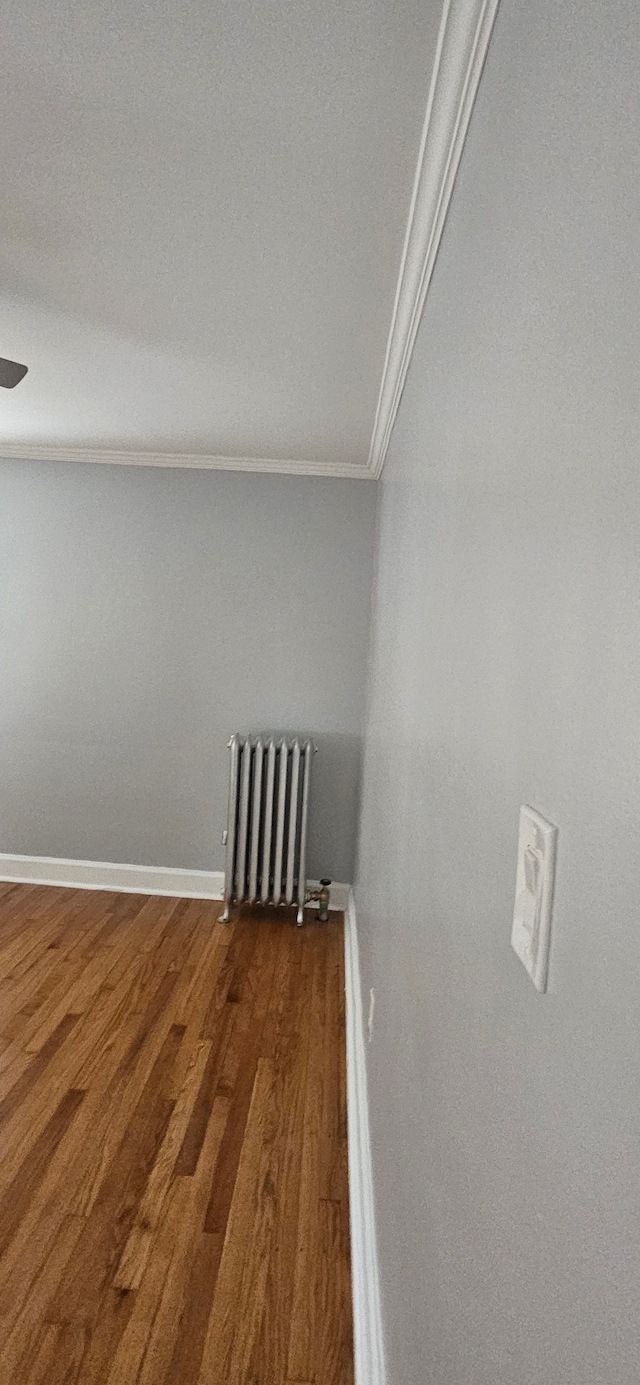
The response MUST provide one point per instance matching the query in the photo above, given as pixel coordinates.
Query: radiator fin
(267, 843)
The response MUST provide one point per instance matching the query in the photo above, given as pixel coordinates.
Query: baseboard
(367, 1318)
(105, 875)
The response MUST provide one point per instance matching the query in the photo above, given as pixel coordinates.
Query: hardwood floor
(173, 1157)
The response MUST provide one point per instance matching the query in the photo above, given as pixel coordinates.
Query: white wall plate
(531, 932)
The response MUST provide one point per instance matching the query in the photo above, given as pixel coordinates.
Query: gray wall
(145, 615)
(506, 669)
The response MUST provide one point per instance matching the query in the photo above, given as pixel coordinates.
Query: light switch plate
(531, 932)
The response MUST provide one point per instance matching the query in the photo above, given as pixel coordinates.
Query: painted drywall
(144, 616)
(506, 669)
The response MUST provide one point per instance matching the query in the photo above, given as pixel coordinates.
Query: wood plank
(196, 1129)
(252, 999)
(42, 1100)
(333, 1358)
(29, 1319)
(86, 1294)
(333, 1166)
(193, 1323)
(304, 1312)
(48, 1209)
(173, 1155)
(151, 1207)
(134, 1348)
(16, 1199)
(165, 1337)
(223, 1322)
(12, 1061)
(109, 1223)
(55, 1355)
(284, 1132)
(35, 1068)
(233, 972)
(126, 1062)
(131, 1062)
(94, 968)
(238, 1000)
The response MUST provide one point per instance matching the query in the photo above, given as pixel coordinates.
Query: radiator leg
(300, 916)
(224, 917)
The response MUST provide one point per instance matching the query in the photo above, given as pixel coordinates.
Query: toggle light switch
(531, 932)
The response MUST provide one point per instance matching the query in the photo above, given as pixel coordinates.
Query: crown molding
(46, 452)
(463, 40)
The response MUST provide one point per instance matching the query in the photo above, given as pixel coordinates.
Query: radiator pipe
(323, 896)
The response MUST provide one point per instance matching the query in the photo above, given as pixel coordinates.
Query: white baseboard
(105, 875)
(367, 1317)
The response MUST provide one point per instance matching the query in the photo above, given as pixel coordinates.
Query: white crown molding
(128, 879)
(463, 40)
(49, 452)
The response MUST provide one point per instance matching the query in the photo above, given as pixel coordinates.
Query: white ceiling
(202, 222)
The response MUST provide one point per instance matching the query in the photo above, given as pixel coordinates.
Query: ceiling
(202, 223)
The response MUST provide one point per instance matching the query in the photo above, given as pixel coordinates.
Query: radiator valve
(322, 895)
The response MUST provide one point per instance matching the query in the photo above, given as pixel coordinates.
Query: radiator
(266, 835)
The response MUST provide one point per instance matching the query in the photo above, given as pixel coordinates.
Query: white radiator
(266, 836)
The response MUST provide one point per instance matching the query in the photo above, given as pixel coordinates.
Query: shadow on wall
(333, 813)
